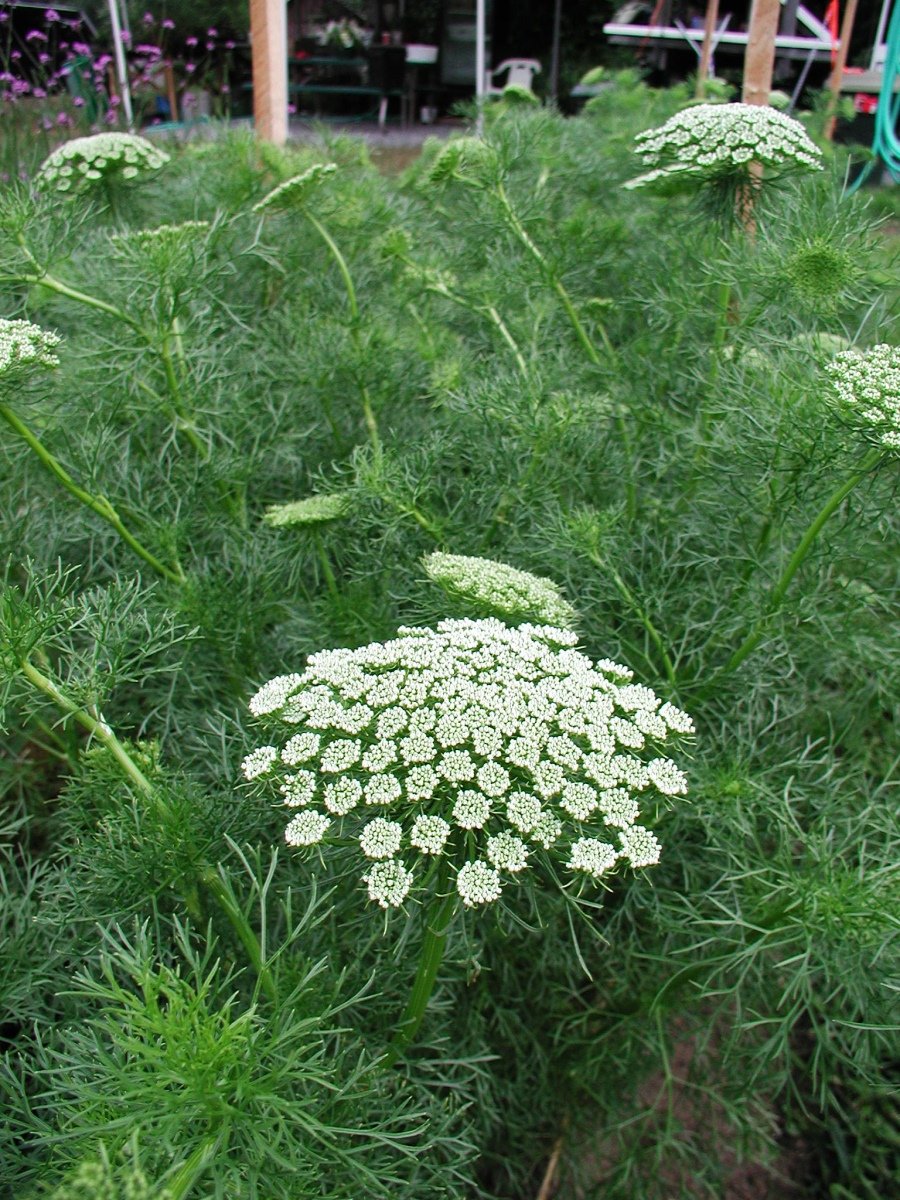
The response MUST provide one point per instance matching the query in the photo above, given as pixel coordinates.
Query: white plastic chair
(519, 71)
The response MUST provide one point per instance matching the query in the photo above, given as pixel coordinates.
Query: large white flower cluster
(81, 163)
(868, 384)
(707, 141)
(24, 345)
(500, 589)
(494, 746)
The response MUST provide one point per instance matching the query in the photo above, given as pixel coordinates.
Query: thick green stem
(437, 922)
(179, 1184)
(353, 305)
(834, 501)
(63, 289)
(97, 504)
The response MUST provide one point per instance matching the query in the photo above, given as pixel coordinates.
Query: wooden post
(268, 37)
(760, 59)
(709, 32)
(834, 84)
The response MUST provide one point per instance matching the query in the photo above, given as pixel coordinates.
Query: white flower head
(81, 163)
(23, 345)
(478, 883)
(867, 385)
(709, 141)
(314, 510)
(389, 883)
(499, 748)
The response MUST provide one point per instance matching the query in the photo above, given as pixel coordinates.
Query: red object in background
(833, 21)
(863, 102)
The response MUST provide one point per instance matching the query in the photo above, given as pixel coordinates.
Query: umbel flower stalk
(23, 345)
(463, 760)
(293, 194)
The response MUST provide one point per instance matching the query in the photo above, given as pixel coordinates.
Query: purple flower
(4, 17)
(51, 15)
(190, 67)
(35, 35)
(149, 50)
(292, 108)
(212, 33)
(63, 119)
(191, 41)
(114, 102)
(78, 102)
(230, 45)
(125, 36)
(46, 124)
(111, 116)
(148, 18)
(168, 23)
(224, 89)
(80, 48)
(210, 45)
(15, 55)
(43, 58)
(39, 93)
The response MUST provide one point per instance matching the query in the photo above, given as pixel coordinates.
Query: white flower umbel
(709, 141)
(498, 590)
(23, 345)
(82, 163)
(500, 750)
(867, 384)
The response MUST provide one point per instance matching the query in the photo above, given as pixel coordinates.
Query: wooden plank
(268, 37)
(759, 61)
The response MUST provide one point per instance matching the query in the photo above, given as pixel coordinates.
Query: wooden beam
(837, 72)
(759, 62)
(268, 38)
(709, 32)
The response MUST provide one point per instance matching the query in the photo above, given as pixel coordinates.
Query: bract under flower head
(24, 345)
(497, 748)
(867, 384)
(80, 164)
(709, 141)
(314, 510)
(294, 192)
(499, 590)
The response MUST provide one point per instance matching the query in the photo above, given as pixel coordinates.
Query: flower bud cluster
(313, 510)
(294, 191)
(79, 164)
(499, 748)
(707, 141)
(23, 345)
(500, 589)
(868, 385)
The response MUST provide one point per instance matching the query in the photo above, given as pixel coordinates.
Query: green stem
(206, 875)
(327, 571)
(834, 501)
(97, 504)
(524, 237)
(503, 330)
(212, 881)
(64, 289)
(184, 420)
(97, 729)
(353, 305)
(437, 921)
(192, 1168)
(652, 632)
